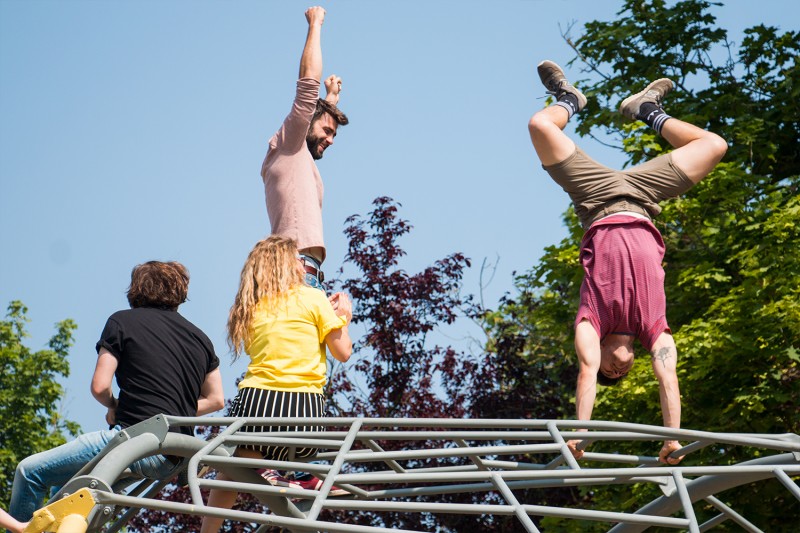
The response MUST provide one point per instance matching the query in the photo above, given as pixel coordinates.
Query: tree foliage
(394, 370)
(30, 394)
(733, 258)
(733, 242)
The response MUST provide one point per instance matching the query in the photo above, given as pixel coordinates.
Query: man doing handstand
(622, 294)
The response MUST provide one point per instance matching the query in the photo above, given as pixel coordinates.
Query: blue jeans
(36, 474)
(312, 280)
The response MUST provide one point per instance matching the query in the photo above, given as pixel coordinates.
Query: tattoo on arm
(663, 354)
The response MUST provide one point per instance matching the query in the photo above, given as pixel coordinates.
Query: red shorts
(623, 283)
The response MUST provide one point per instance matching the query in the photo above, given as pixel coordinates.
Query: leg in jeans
(36, 474)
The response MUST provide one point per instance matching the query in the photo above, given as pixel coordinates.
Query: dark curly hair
(323, 106)
(160, 285)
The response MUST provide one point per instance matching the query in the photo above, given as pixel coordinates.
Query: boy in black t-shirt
(163, 364)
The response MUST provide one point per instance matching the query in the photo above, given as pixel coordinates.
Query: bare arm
(665, 361)
(211, 396)
(338, 341)
(311, 60)
(587, 346)
(9, 522)
(101, 383)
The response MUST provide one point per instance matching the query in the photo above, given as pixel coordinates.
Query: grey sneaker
(654, 93)
(556, 83)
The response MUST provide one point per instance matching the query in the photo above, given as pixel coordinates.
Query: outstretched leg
(697, 151)
(9, 522)
(546, 126)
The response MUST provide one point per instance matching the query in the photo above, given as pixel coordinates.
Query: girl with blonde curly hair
(284, 326)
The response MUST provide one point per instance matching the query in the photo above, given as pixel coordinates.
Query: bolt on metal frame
(436, 457)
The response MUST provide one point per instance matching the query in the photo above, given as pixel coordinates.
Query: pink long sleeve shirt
(292, 183)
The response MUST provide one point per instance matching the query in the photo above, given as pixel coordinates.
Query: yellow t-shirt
(287, 347)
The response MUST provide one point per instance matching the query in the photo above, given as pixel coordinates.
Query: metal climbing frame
(403, 465)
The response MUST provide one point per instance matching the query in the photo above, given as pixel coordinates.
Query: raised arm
(665, 362)
(333, 86)
(211, 396)
(311, 60)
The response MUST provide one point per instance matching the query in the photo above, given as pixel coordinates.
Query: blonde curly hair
(268, 275)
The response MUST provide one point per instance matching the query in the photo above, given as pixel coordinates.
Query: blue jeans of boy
(36, 474)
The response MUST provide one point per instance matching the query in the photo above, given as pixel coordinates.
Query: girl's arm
(339, 343)
(338, 340)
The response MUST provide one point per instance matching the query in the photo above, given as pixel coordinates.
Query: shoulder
(312, 295)
(121, 314)
(121, 317)
(203, 342)
(309, 300)
(186, 323)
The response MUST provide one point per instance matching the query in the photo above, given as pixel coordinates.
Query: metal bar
(295, 524)
(520, 513)
(246, 462)
(563, 448)
(506, 510)
(713, 522)
(295, 440)
(769, 441)
(683, 494)
(194, 462)
(728, 472)
(733, 515)
(458, 452)
(787, 482)
(470, 470)
(375, 447)
(620, 458)
(336, 467)
(491, 463)
(127, 515)
(476, 461)
(709, 484)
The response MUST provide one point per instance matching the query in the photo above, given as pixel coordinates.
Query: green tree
(29, 394)
(733, 242)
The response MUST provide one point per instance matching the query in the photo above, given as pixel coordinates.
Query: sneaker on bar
(309, 482)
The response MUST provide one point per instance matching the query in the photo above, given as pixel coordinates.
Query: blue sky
(132, 131)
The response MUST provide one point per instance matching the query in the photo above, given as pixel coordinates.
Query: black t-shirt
(162, 362)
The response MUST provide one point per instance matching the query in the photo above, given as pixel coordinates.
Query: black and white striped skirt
(253, 402)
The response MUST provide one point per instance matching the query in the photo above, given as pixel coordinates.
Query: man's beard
(313, 144)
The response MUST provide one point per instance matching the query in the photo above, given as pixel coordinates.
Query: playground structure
(436, 457)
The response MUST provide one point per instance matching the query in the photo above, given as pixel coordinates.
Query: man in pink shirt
(292, 183)
(622, 295)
